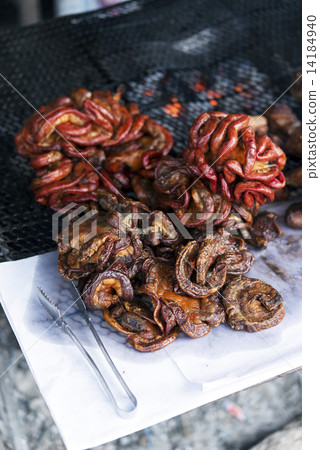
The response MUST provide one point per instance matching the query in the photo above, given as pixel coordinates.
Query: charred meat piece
(212, 311)
(203, 207)
(80, 254)
(107, 288)
(294, 216)
(144, 190)
(186, 312)
(264, 229)
(201, 268)
(293, 146)
(259, 125)
(110, 202)
(193, 316)
(143, 344)
(252, 305)
(134, 320)
(185, 265)
(160, 231)
(157, 278)
(282, 120)
(133, 217)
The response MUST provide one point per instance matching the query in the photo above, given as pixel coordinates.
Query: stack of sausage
(87, 142)
(90, 142)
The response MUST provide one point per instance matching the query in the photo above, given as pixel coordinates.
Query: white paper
(186, 374)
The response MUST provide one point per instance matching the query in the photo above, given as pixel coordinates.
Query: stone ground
(263, 417)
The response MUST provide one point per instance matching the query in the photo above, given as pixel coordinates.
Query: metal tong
(55, 313)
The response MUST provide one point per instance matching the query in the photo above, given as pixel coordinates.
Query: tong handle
(122, 412)
(111, 363)
(83, 309)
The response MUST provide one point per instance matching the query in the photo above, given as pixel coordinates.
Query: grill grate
(175, 57)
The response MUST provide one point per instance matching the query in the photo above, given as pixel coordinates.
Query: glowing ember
(198, 87)
(246, 95)
(213, 102)
(173, 109)
(148, 93)
(212, 94)
(238, 88)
